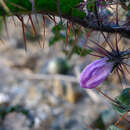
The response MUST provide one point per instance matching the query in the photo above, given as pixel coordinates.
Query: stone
(4, 99)
(58, 65)
(73, 93)
(59, 88)
(70, 92)
(33, 96)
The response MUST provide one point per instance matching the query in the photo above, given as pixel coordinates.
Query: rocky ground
(56, 102)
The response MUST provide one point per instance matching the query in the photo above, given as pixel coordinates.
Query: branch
(62, 8)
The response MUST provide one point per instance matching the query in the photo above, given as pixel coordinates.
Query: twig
(51, 77)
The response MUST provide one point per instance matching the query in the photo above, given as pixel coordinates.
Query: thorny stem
(64, 9)
(105, 95)
(112, 100)
(121, 118)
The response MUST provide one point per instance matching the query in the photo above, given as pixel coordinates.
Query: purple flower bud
(95, 73)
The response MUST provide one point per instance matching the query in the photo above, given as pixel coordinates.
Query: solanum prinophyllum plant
(96, 72)
(79, 17)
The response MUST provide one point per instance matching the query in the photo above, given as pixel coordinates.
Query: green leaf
(124, 97)
(80, 51)
(123, 101)
(91, 5)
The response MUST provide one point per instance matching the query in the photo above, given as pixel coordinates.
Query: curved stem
(63, 8)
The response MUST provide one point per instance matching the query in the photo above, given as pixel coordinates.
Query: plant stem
(63, 8)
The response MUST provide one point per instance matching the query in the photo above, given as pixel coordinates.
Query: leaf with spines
(123, 101)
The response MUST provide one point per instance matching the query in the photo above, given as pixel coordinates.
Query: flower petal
(95, 73)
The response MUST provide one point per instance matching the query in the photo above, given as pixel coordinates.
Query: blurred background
(39, 88)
